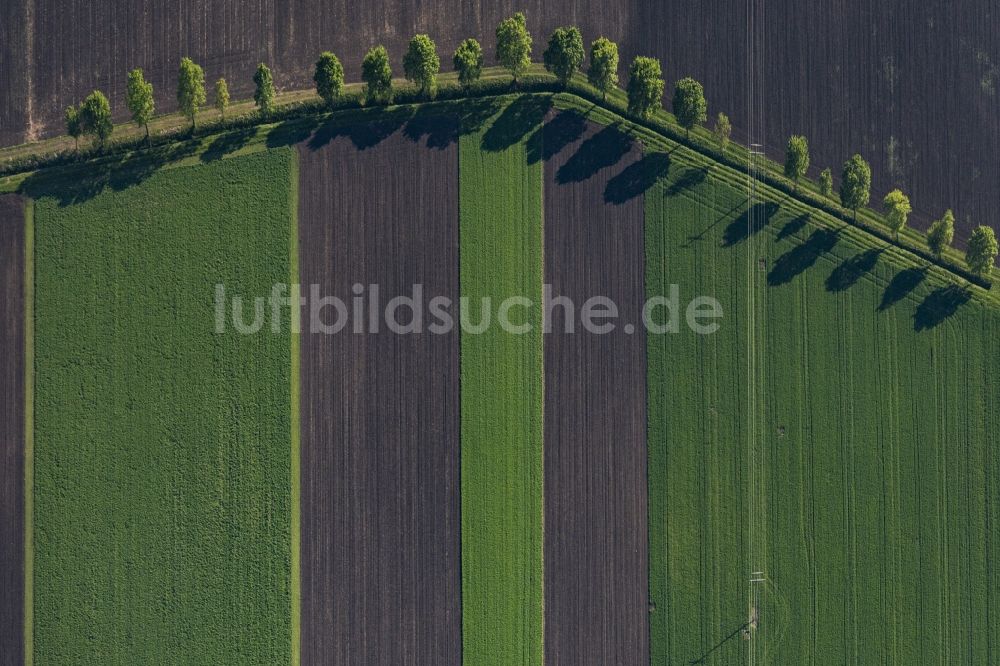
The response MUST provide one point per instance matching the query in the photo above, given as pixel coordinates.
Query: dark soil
(381, 560)
(11, 431)
(596, 553)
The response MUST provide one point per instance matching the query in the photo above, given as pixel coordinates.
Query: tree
(855, 184)
(981, 251)
(421, 64)
(723, 130)
(941, 234)
(139, 99)
(645, 86)
(73, 126)
(377, 75)
(897, 208)
(221, 97)
(690, 106)
(468, 61)
(329, 77)
(564, 54)
(826, 182)
(263, 94)
(603, 72)
(95, 117)
(514, 45)
(796, 158)
(190, 88)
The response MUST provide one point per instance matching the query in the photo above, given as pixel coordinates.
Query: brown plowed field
(915, 88)
(596, 584)
(11, 430)
(381, 562)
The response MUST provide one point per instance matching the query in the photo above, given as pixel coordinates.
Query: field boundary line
(295, 591)
(29, 428)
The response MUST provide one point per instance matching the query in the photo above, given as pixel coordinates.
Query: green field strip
(29, 429)
(502, 406)
(295, 414)
(162, 466)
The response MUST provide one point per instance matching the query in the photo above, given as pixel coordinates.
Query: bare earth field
(380, 555)
(11, 430)
(596, 589)
(916, 91)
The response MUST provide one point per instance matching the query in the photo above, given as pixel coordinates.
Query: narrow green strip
(502, 407)
(293, 257)
(29, 428)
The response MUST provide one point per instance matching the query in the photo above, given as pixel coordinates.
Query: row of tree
(563, 56)
(855, 192)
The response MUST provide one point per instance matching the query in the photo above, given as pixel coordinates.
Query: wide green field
(835, 435)
(162, 507)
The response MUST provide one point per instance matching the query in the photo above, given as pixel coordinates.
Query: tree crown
(603, 72)
(263, 95)
(564, 54)
(514, 44)
(941, 234)
(95, 116)
(328, 77)
(645, 86)
(190, 88)
(221, 95)
(826, 182)
(139, 97)
(468, 61)
(897, 208)
(72, 118)
(421, 63)
(796, 157)
(377, 75)
(982, 250)
(690, 106)
(723, 129)
(856, 183)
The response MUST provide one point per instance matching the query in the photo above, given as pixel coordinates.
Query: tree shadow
(690, 178)
(363, 135)
(901, 285)
(850, 270)
(793, 227)
(227, 143)
(291, 132)
(740, 229)
(473, 113)
(520, 117)
(636, 178)
(802, 257)
(602, 150)
(939, 305)
(441, 130)
(560, 131)
(79, 183)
